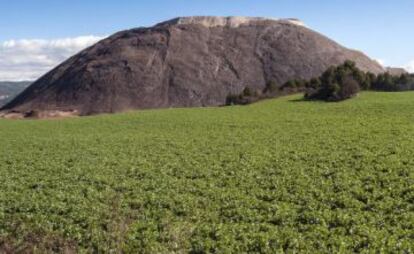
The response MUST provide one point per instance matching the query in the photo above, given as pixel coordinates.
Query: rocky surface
(184, 62)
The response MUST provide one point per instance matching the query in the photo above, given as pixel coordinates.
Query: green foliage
(247, 92)
(337, 83)
(293, 86)
(247, 96)
(271, 87)
(345, 81)
(290, 84)
(388, 82)
(280, 176)
(232, 99)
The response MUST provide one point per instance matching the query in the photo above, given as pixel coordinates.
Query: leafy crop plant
(278, 176)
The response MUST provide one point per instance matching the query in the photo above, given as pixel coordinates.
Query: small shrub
(337, 83)
(271, 87)
(232, 99)
(334, 91)
(247, 92)
(349, 88)
(247, 96)
(293, 86)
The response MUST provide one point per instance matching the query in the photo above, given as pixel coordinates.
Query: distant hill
(8, 90)
(185, 62)
(396, 71)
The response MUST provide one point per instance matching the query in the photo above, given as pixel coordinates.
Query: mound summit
(183, 62)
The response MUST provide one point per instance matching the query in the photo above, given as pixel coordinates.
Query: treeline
(335, 84)
(387, 82)
(345, 81)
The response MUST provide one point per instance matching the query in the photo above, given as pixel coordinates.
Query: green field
(282, 175)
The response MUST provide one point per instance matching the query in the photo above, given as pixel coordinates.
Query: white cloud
(381, 61)
(29, 59)
(410, 67)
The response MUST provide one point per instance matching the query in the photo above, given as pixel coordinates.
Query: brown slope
(185, 62)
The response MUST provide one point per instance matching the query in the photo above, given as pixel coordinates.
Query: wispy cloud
(29, 59)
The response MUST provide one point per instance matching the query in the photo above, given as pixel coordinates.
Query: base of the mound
(45, 114)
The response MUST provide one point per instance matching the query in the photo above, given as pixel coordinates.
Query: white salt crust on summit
(236, 21)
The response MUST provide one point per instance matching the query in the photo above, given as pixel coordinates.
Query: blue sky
(382, 29)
